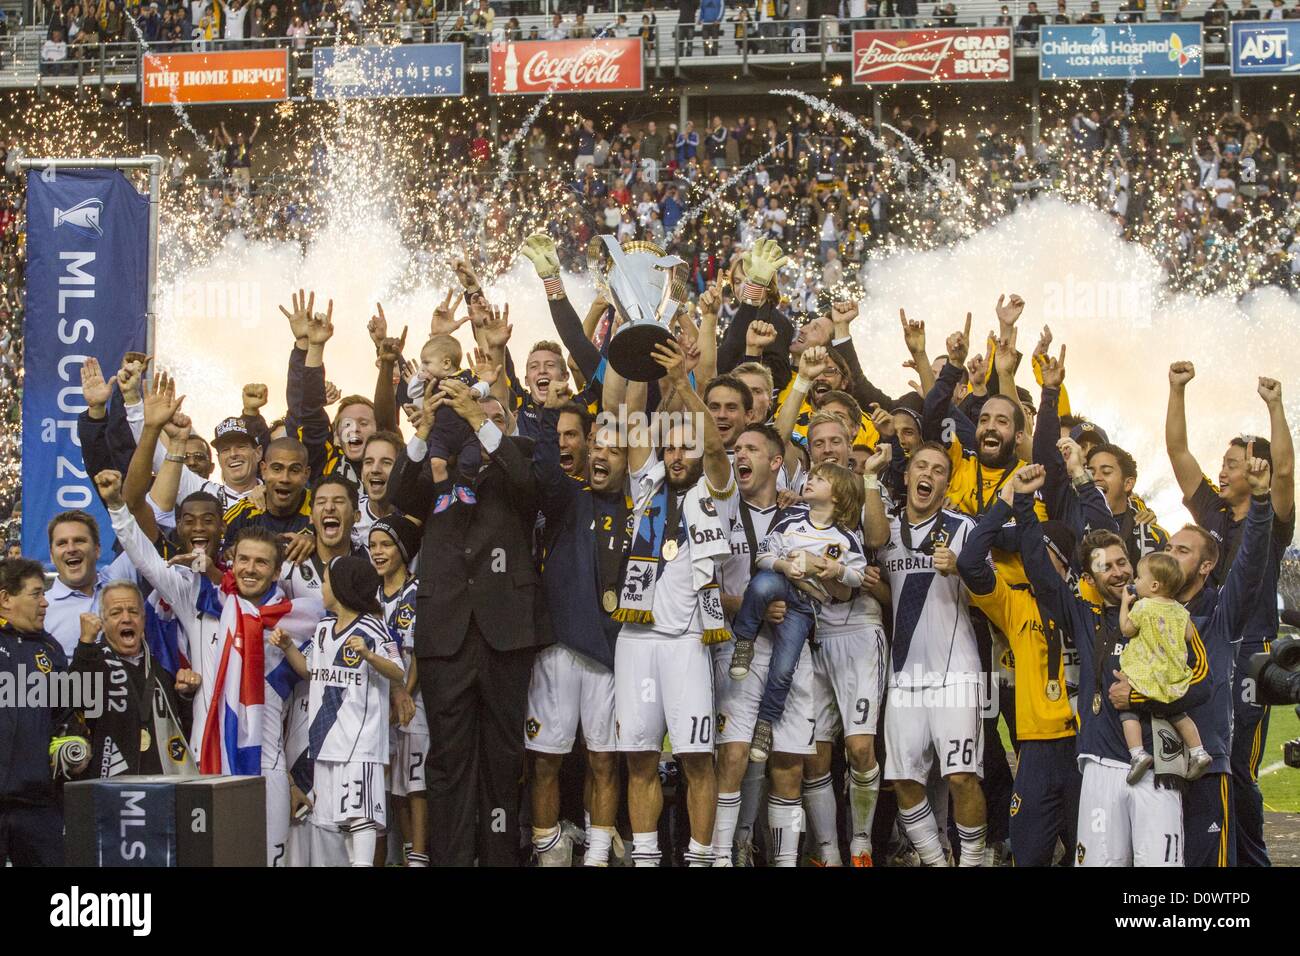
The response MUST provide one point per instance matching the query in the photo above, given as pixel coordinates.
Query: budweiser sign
(940, 55)
(565, 66)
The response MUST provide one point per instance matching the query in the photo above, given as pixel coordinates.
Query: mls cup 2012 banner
(566, 66)
(244, 76)
(87, 296)
(940, 55)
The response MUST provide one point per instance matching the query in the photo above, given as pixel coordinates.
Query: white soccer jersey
(676, 604)
(303, 579)
(933, 640)
(794, 530)
(348, 706)
(399, 617)
(734, 576)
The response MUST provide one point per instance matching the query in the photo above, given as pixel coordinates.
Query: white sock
(923, 830)
(552, 849)
(361, 845)
(417, 859)
(784, 822)
(645, 849)
(819, 803)
(972, 844)
(599, 840)
(724, 826)
(752, 788)
(698, 854)
(864, 789)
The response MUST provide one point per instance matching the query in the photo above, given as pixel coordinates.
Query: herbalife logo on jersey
(76, 909)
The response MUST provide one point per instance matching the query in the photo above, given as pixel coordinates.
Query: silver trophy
(647, 289)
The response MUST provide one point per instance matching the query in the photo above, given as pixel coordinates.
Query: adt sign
(1265, 48)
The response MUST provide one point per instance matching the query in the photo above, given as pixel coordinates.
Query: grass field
(1281, 786)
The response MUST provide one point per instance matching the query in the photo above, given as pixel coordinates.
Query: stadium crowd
(812, 594)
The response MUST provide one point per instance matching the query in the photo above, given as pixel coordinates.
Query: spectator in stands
(54, 54)
(1030, 23)
(1248, 11)
(1276, 11)
(558, 30)
(1171, 10)
(1130, 11)
(1094, 14)
(711, 14)
(298, 32)
(687, 144)
(686, 13)
(620, 30)
(459, 32)
(906, 10)
(1062, 15)
(1215, 20)
(1004, 18)
(580, 31)
(945, 15)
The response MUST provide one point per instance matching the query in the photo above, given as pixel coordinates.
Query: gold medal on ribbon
(670, 550)
(145, 740)
(609, 601)
(1096, 703)
(1053, 690)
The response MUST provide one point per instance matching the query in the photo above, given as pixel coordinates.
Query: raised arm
(707, 342)
(1241, 588)
(1047, 434)
(1186, 470)
(388, 353)
(717, 466)
(1283, 447)
(875, 523)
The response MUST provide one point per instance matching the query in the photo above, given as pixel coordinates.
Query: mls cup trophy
(647, 289)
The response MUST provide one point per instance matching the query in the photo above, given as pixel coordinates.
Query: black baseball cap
(1089, 430)
(231, 429)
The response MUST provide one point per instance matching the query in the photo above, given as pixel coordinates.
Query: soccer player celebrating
(934, 705)
(382, 453)
(1142, 822)
(353, 657)
(219, 622)
(586, 540)
(757, 463)
(1222, 511)
(671, 612)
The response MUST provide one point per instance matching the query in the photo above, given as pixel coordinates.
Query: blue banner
(1265, 48)
(135, 822)
(1120, 51)
(87, 295)
(367, 72)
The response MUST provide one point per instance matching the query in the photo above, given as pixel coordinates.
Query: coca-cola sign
(939, 55)
(565, 66)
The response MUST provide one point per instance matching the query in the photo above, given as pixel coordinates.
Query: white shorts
(406, 773)
(737, 700)
(347, 793)
(298, 848)
(1123, 825)
(925, 724)
(850, 673)
(565, 690)
(277, 815)
(663, 685)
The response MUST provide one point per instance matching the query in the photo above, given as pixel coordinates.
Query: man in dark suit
(477, 629)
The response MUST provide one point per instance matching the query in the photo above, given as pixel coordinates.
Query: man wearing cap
(1222, 511)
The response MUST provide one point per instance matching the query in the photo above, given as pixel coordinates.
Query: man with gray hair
(138, 712)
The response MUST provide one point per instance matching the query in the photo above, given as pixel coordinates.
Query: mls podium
(165, 821)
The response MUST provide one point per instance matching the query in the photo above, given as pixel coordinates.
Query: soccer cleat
(742, 655)
(997, 854)
(761, 745)
(559, 854)
(861, 859)
(1138, 767)
(1197, 764)
(744, 854)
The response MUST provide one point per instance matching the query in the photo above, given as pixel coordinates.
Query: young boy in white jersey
(808, 551)
(353, 658)
(393, 541)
